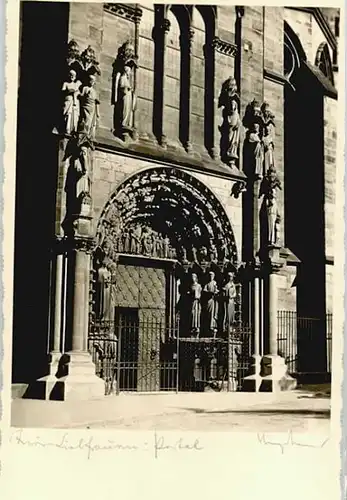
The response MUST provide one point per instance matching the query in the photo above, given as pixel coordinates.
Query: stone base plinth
(252, 382)
(275, 377)
(269, 374)
(71, 378)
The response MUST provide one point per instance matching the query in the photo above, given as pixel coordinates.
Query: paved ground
(244, 412)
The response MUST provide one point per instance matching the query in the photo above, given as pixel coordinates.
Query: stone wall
(261, 57)
(330, 144)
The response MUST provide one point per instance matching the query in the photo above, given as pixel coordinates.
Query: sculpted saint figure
(124, 100)
(166, 247)
(103, 296)
(256, 147)
(269, 188)
(123, 96)
(147, 243)
(229, 295)
(89, 108)
(71, 110)
(271, 209)
(194, 294)
(210, 304)
(268, 147)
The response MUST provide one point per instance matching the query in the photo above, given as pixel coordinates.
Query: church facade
(174, 197)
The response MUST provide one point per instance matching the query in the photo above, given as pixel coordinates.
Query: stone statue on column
(268, 190)
(89, 114)
(229, 295)
(80, 107)
(78, 180)
(103, 295)
(231, 127)
(253, 146)
(268, 122)
(194, 294)
(123, 96)
(210, 304)
(71, 108)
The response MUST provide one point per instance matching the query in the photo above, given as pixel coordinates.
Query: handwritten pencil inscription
(160, 444)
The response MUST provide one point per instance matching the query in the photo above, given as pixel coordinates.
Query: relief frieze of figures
(197, 231)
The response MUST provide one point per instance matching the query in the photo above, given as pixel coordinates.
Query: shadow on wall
(41, 63)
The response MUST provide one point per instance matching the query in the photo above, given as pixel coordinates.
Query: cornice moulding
(127, 11)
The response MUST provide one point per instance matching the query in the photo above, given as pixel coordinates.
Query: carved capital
(187, 38)
(127, 11)
(60, 246)
(85, 245)
(240, 11)
(224, 47)
(166, 26)
(161, 29)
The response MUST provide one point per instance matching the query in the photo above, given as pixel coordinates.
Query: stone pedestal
(71, 378)
(252, 382)
(268, 372)
(76, 378)
(274, 375)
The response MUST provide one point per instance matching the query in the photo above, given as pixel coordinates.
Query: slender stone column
(273, 296)
(162, 27)
(86, 303)
(256, 317)
(262, 306)
(58, 303)
(79, 306)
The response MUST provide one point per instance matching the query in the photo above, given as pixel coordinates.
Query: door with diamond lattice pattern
(140, 321)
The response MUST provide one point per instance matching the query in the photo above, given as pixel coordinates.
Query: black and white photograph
(175, 217)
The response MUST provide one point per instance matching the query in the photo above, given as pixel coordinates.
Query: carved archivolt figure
(229, 295)
(89, 108)
(71, 109)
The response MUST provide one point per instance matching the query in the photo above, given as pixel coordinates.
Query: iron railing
(148, 356)
(296, 334)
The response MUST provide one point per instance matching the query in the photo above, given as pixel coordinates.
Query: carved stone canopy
(132, 12)
(84, 63)
(172, 208)
(126, 56)
(224, 47)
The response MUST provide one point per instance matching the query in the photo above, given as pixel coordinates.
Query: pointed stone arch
(323, 61)
(177, 209)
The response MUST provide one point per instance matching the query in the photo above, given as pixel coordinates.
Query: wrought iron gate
(150, 357)
(140, 344)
